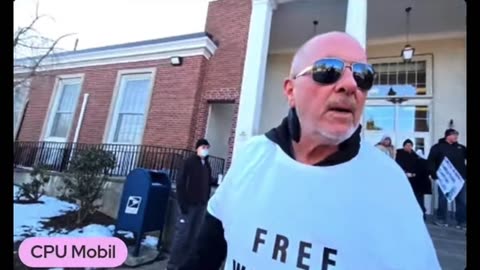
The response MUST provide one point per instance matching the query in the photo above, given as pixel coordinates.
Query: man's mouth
(341, 109)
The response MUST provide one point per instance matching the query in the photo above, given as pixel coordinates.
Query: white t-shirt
(278, 213)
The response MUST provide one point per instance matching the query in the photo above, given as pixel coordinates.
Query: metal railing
(57, 156)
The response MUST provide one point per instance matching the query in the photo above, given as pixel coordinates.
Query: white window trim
(410, 102)
(54, 98)
(16, 127)
(428, 58)
(199, 46)
(108, 134)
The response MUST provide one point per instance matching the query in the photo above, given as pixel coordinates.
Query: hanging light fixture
(315, 23)
(408, 51)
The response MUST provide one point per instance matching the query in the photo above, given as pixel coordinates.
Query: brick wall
(171, 112)
(34, 116)
(174, 103)
(228, 21)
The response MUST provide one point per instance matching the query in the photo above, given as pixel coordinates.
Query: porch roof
(292, 22)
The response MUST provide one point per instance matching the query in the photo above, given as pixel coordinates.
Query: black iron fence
(56, 157)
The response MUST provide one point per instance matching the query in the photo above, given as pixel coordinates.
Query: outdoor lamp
(176, 61)
(408, 52)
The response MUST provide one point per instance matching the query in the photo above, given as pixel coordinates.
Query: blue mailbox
(143, 204)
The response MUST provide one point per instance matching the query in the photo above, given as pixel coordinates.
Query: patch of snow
(150, 241)
(92, 230)
(27, 217)
(126, 234)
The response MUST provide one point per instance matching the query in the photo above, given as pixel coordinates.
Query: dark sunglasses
(330, 70)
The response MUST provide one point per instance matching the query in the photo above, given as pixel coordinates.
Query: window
(399, 103)
(63, 109)
(129, 115)
(413, 118)
(405, 79)
(20, 99)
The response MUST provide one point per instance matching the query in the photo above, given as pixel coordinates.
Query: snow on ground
(27, 219)
(91, 230)
(126, 234)
(150, 241)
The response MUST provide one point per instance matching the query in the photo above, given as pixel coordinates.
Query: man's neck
(310, 153)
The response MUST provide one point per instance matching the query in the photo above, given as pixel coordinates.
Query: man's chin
(338, 134)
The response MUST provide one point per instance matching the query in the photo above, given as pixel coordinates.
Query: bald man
(308, 194)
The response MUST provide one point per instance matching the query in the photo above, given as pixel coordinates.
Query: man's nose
(347, 83)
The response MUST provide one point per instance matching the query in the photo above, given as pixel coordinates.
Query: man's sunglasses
(330, 70)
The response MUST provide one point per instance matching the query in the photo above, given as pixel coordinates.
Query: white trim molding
(271, 3)
(393, 40)
(127, 54)
(416, 38)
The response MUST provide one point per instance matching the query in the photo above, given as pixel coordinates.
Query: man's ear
(288, 90)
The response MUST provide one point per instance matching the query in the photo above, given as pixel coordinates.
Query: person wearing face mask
(193, 191)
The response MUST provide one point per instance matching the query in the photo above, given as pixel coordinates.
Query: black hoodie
(455, 152)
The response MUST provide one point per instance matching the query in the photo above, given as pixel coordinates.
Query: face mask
(204, 152)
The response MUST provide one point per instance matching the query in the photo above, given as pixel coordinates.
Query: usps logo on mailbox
(133, 204)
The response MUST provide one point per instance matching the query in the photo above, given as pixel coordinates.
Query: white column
(356, 24)
(80, 118)
(253, 82)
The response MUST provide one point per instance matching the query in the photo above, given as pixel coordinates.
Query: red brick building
(135, 93)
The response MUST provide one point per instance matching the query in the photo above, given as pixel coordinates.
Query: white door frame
(409, 102)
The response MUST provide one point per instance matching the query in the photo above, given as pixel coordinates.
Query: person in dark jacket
(408, 160)
(457, 154)
(193, 191)
(422, 180)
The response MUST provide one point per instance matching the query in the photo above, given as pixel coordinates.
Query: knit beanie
(450, 131)
(407, 141)
(201, 142)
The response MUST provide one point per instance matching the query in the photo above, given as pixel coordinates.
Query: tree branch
(29, 38)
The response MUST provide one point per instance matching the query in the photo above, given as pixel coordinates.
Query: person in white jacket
(309, 194)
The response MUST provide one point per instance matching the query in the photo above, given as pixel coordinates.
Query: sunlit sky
(106, 22)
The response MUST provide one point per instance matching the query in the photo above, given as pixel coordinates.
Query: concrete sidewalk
(451, 246)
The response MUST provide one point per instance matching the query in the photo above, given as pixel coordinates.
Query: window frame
(118, 95)
(428, 58)
(54, 103)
